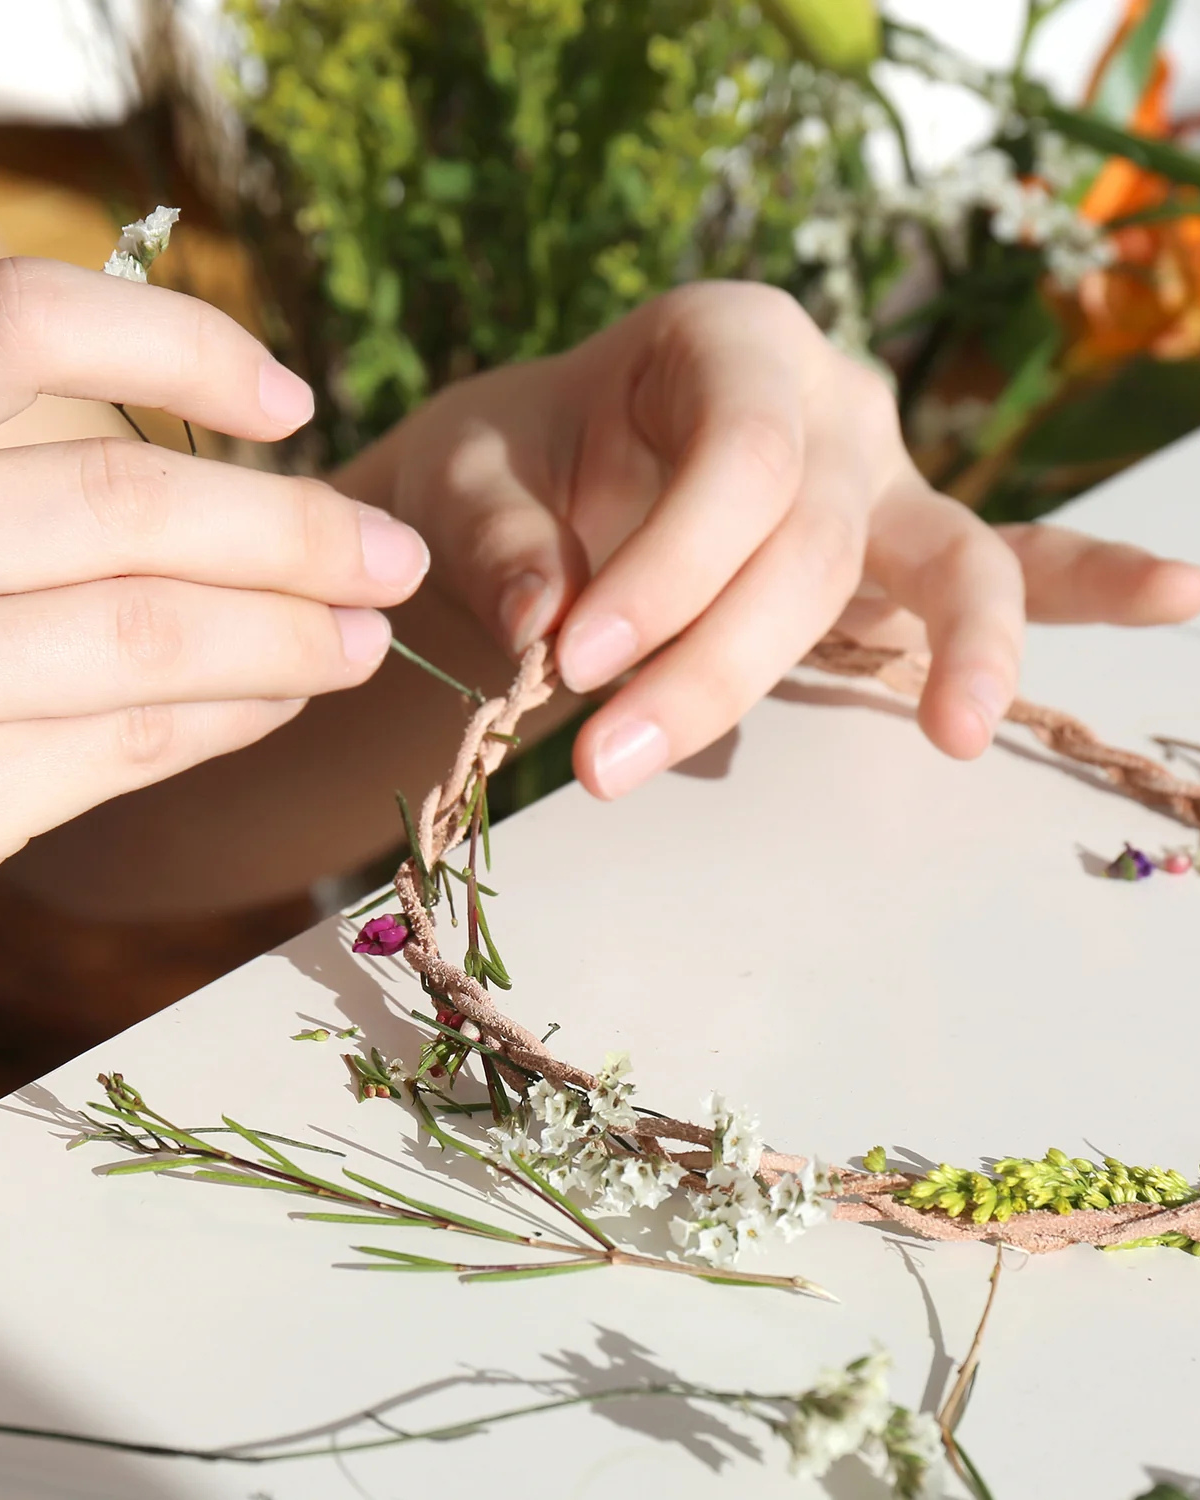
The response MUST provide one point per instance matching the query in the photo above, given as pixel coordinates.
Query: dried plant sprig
(1036, 1206)
(140, 245)
(160, 1146)
(955, 1404)
(847, 1411)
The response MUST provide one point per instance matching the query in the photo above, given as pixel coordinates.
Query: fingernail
(365, 633)
(629, 754)
(284, 397)
(990, 696)
(393, 553)
(526, 608)
(594, 651)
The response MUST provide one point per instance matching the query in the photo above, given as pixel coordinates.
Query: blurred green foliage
(487, 180)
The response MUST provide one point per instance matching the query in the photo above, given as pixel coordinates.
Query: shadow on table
(48, 1469)
(44, 1469)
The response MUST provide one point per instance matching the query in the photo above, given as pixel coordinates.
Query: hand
(701, 492)
(158, 609)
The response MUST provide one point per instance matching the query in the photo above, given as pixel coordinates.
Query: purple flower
(382, 936)
(1130, 864)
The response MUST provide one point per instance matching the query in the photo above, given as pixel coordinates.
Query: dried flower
(141, 244)
(382, 936)
(836, 1417)
(1130, 864)
(1057, 1181)
(849, 1411)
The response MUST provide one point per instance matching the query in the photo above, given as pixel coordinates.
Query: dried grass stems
(450, 815)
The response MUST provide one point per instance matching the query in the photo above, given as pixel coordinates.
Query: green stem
(982, 1492)
(427, 666)
(318, 1188)
(1036, 12)
(118, 407)
(675, 1390)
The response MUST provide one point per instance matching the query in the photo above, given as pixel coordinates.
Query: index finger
(719, 402)
(70, 332)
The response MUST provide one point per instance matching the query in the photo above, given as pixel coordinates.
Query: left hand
(701, 492)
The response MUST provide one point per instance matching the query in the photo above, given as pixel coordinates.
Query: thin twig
(952, 1409)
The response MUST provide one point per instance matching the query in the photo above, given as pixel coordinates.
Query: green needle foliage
(156, 1145)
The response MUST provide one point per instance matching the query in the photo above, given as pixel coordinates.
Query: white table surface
(825, 918)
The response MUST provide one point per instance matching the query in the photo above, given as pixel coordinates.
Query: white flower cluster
(141, 244)
(826, 240)
(849, 1411)
(572, 1148)
(1022, 212)
(734, 1210)
(567, 1136)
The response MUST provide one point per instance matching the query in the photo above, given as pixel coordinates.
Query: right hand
(157, 609)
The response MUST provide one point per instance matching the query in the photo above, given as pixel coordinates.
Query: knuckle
(832, 546)
(146, 739)
(26, 298)
(725, 697)
(870, 398)
(147, 630)
(200, 343)
(767, 442)
(318, 529)
(125, 487)
(12, 299)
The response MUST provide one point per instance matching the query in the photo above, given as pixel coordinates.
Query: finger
(782, 601)
(1075, 579)
(496, 543)
(719, 403)
(103, 507)
(935, 558)
(70, 332)
(97, 647)
(55, 769)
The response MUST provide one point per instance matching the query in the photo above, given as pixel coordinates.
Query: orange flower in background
(1148, 301)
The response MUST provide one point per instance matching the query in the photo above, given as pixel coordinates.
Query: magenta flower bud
(382, 936)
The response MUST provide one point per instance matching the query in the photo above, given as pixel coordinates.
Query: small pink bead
(1177, 864)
